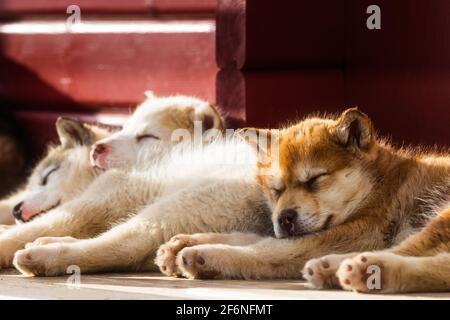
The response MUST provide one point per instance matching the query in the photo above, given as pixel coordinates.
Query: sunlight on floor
(155, 286)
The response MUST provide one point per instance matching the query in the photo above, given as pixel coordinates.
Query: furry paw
(40, 260)
(321, 273)
(374, 272)
(167, 254)
(48, 240)
(199, 263)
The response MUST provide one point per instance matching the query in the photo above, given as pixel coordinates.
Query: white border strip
(107, 27)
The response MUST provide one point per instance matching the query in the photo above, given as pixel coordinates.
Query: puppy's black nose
(17, 211)
(287, 220)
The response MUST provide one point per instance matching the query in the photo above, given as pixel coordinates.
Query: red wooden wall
(127, 48)
(268, 62)
(281, 60)
(10, 8)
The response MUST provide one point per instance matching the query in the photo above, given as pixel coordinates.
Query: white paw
(372, 272)
(198, 263)
(41, 260)
(321, 273)
(167, 254)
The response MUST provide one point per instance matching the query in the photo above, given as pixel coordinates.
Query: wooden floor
(156, 286)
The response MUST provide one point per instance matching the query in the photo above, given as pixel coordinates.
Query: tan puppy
(334, 188)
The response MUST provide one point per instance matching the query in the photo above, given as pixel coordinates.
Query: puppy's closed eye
(44, 180)
(141, 137)
(276, 193)
(311, 182)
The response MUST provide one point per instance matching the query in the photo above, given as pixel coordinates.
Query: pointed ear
(261, 140)
(354, 128)
(73, 132)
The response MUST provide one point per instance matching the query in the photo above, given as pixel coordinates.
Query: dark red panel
(12, 154)
(413, 107)
(414, 35)
(270, 99)
(255, 34)
(401, 73)
(18, 7)
(184, 6)
(106, 69)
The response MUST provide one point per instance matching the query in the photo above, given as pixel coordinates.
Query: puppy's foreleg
(432, 240)
(420, 263)
(128, 246)
(91, 214)
(385, 272)
(69, 220)
(167, 253)
(133, 245)
(276, 258)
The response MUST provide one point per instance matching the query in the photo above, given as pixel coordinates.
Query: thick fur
(351, 192)
(177, 195)
(127, 213)
(66, 169)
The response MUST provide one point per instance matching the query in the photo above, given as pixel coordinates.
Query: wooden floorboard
(155, 286)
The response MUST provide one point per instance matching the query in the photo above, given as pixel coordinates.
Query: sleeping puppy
(85, 151)
(59, 177)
